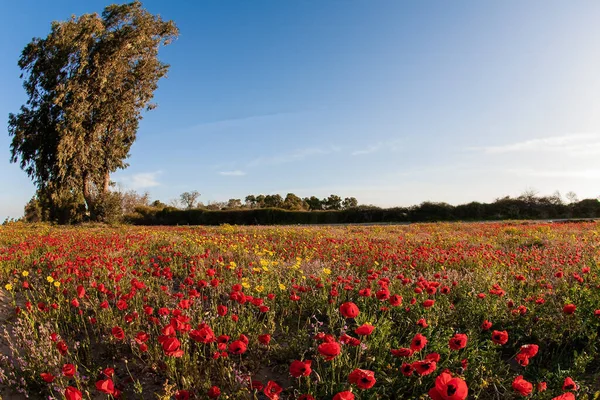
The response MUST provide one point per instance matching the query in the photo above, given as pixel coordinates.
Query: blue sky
(393, 102)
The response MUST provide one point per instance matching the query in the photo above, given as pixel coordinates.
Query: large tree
(87, 84)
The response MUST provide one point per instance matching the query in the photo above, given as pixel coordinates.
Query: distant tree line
(132, 207)
(259, 212)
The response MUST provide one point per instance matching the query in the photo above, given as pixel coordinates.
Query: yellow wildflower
(50, 279)
(25, 273)
(56, 284)
(8, 287)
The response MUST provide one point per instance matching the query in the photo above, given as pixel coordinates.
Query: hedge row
(426, 212)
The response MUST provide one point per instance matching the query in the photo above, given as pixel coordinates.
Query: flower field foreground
(440, 311)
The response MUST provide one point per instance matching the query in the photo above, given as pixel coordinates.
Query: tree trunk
(87, 193)
(106, 185)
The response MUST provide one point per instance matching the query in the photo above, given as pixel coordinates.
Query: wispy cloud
(297, 155)
(391, 145)
(140, 181)
(237, 172)
(368, 150)
(580, 144)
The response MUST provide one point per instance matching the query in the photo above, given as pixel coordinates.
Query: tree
(234, 203)
(349, 202)
(188, 199)
(250, 201)
(314, 203)
(333, 202)
(273, 200)
(293, 202)
(87, 83)
(572, 197)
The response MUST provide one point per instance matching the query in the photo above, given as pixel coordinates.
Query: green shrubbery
(505, 208)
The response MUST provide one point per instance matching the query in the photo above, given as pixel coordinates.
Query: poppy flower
(569, 309)
(214, 392)
(171, 346)
(500, 337)
(306, 397)
(424, 367)
(118, 333)
(272, 390)
(344, 396)
(521, 386)
(428, 303)
(264, 339)
(541, 386)
(237, 347)
(395, 300)
(182, 395)
(449, 388)
(569, 384)
(105, 386)
(364, 330)
(222, 310)
(349, 310)
(68, 370)
(458, 341)
(49, 378)
(529, 350)
(300, 368)
(329, 350)
(486, 325)
(203, 335)
(402, 352)
(406, 369)
(62, 347)
(72, 393)
(418, 342)
(362, 378)
(422, 323)
(522, 359)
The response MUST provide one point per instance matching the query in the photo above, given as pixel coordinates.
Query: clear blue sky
(393, 102)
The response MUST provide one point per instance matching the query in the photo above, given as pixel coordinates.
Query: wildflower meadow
(423, 311)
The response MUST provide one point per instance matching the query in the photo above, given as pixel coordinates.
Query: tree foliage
(87, 84)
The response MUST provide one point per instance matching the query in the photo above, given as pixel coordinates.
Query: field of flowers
(440, 311)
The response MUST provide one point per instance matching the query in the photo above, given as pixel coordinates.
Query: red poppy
(344, 396)
(105, 386)
(222, 310)
(418, 342)
(118, 333)
(272, 390)
(349, 310)
(395, 300)
(428, 303)
(72, 393)
(202, 335)
(406, 369)
(49, 378)
(62, 347)
(264, 339)
(69, 370)
(171, 346)
(529, 350)
(214, 392)
(569, 309)
(364, 330)
(422, 323)
(424, 367)
(300, 368)
(402, 352)
(306, 397)
(458, 341)
(449, 388)
(486, 325)
(500, 337)
(522, 386)
(329, 350)
(362, 378)
(237, 347)
(569, 384)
